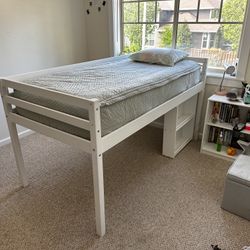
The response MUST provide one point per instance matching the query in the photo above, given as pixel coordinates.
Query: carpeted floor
(152, 202)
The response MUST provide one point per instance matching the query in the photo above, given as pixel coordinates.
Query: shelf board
(244, 131)
(183, 120)
(181, 145)
(224, 99)
(224, 125)
(227, 126)
(210, 148)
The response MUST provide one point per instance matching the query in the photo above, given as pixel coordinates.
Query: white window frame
(115, 14)
(205, 37)
(244, 47)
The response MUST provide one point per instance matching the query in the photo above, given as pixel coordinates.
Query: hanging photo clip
(98, 5)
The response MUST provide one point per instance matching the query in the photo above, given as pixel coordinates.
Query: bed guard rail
(10, 102)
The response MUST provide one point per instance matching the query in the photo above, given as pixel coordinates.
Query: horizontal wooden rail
(49, 93)
(62, 136)
(54, 114)
(130, 128)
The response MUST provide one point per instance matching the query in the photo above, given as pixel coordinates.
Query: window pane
(233, 10)
(149, 36)
(164, 36)
(231, 35)
(217, 42)
(130, 12)
(147, 12)
(165, 11)
(184, 37)
(188, 10)
(209, 11)
(132, 38)
(143, 36)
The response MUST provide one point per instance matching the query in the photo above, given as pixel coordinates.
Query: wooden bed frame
(97, 145)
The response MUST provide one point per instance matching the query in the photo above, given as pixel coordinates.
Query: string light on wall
(96, 4)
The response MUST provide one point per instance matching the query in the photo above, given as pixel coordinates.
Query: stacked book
(228, 112)
(214, 132)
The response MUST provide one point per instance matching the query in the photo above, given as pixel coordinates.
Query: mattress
(125, 89)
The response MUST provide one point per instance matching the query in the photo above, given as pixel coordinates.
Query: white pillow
(164, 56)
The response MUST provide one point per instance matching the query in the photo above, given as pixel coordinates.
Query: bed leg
(198, 115)
(14, 139)
(97, 165)
(18, 153)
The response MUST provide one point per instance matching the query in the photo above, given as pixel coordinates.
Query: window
(204, 40)
(208, 40)
(204, 28)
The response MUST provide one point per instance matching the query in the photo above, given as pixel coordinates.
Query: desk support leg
(198, 115)
(169, 133)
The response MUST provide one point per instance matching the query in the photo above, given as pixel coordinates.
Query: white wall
(97, 32)
(37, 34)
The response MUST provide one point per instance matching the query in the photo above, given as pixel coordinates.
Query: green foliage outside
(184, 36)
(233, 11)
(166, 36)
(133, 32)
(219, 39)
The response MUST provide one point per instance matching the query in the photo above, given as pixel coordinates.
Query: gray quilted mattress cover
(125, 89)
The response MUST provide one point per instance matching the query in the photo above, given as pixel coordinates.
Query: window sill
(229, 81)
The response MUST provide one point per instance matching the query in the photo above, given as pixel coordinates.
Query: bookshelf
(227, 110)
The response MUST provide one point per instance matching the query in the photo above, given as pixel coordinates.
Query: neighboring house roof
(190, 5)
(189, 17)
(186, 17)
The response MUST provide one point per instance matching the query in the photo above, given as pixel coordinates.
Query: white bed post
(198, 114)
(14, 140)
(97, 165)
(200, 99)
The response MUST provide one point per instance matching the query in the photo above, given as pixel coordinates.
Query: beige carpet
(152, 202)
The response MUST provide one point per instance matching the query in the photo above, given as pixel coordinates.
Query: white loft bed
(189, 100)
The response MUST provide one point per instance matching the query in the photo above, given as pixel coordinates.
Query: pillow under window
(164, 56)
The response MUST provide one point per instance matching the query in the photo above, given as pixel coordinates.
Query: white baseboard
(21, 135)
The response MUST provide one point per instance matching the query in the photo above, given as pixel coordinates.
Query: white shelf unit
(180, 127)
(209, 147)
